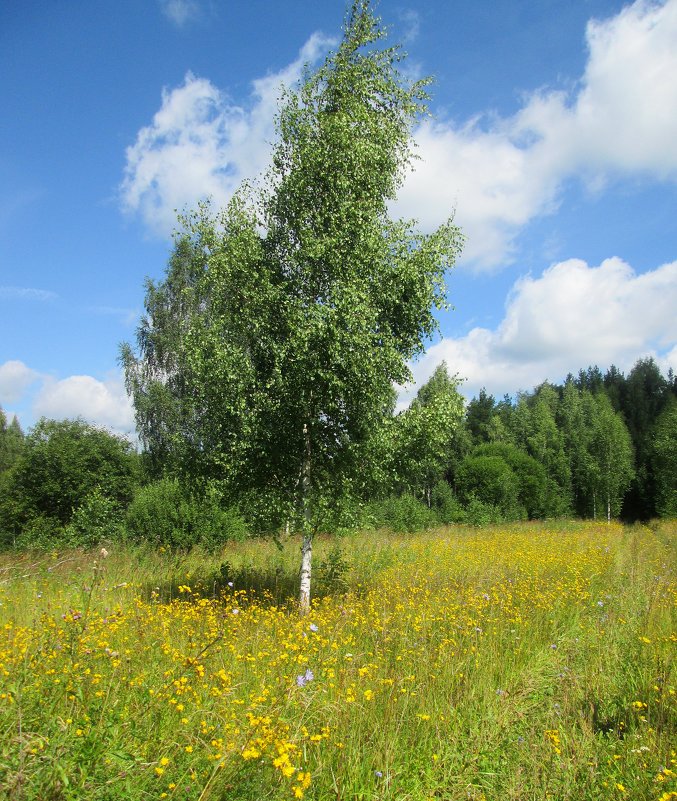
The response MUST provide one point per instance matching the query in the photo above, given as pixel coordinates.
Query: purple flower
(313, 627)
(304, 678)
(378, 774)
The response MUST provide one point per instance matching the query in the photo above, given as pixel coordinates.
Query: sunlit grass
(524, 662)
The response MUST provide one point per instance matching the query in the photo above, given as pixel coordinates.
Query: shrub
(163, 513)
(446, 505)
(402, 513)
(479, 513)
(61, 464)
(41, 532)
(490, 480)
(99, 518)
(532, 480)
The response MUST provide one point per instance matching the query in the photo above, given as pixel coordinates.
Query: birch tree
(611, 454)
(422, 434)
(664, 453)
(310, 298)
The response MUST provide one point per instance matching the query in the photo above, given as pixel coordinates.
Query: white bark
(307, 546)
(306, 566)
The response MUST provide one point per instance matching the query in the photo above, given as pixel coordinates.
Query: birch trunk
(608, 508)
(306, 565)
(307, 546)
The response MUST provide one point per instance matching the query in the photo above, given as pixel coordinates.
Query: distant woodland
(599, 445)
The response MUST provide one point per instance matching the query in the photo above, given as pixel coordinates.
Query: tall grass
(519, 662)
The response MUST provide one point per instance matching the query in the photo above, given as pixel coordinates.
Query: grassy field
(517, 662)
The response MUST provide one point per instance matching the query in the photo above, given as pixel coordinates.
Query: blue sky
(554, 136)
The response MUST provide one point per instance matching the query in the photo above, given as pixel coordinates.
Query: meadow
(526, 661)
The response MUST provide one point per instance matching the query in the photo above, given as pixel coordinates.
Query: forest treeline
(599, 445)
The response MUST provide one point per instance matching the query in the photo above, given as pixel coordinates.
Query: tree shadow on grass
(270, 585)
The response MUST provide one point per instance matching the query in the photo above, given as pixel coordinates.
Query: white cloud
(100, 402)
(485, 176)
(26, 293)
(180, 11)
(411, 22)
(127, 317)
(15, 379)
(500, 173)
(201, 144)
(570, 317)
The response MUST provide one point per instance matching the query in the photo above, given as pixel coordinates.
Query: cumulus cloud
(103, 403)
(502, 172)
(201, 144)
(499, 173)
(15, 380)
(180, 12)
(570, 317)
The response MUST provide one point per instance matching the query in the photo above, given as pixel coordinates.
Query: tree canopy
(64, 462)
(299, 305)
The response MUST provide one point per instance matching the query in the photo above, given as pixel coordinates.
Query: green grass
(528, 661)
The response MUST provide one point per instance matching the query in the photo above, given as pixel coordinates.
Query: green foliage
(575, 424)
(11, 442)
(62, 464)
(168, 417)
(446, 504)
(288, 316)
(332, 571)
(611, 454)
(490, 480)
(98, 519)
(534, 429)
(532, 489)
(480, 417)
(164, 513)
(422, 435)
(664, 457)
(40, 533)
(401, 513)
(645, 394)
(479, 513)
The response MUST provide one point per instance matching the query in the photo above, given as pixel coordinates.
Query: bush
(479, 513)
(532, 480)
(41, 532)
(62, 463)
(446, 505)
(98, 519)
(491, 481)
(402, 513)
(163, 513)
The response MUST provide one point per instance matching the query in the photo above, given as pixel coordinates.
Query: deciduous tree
(423, 434)
(62, 463)
(310, 299)
(664, 453)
